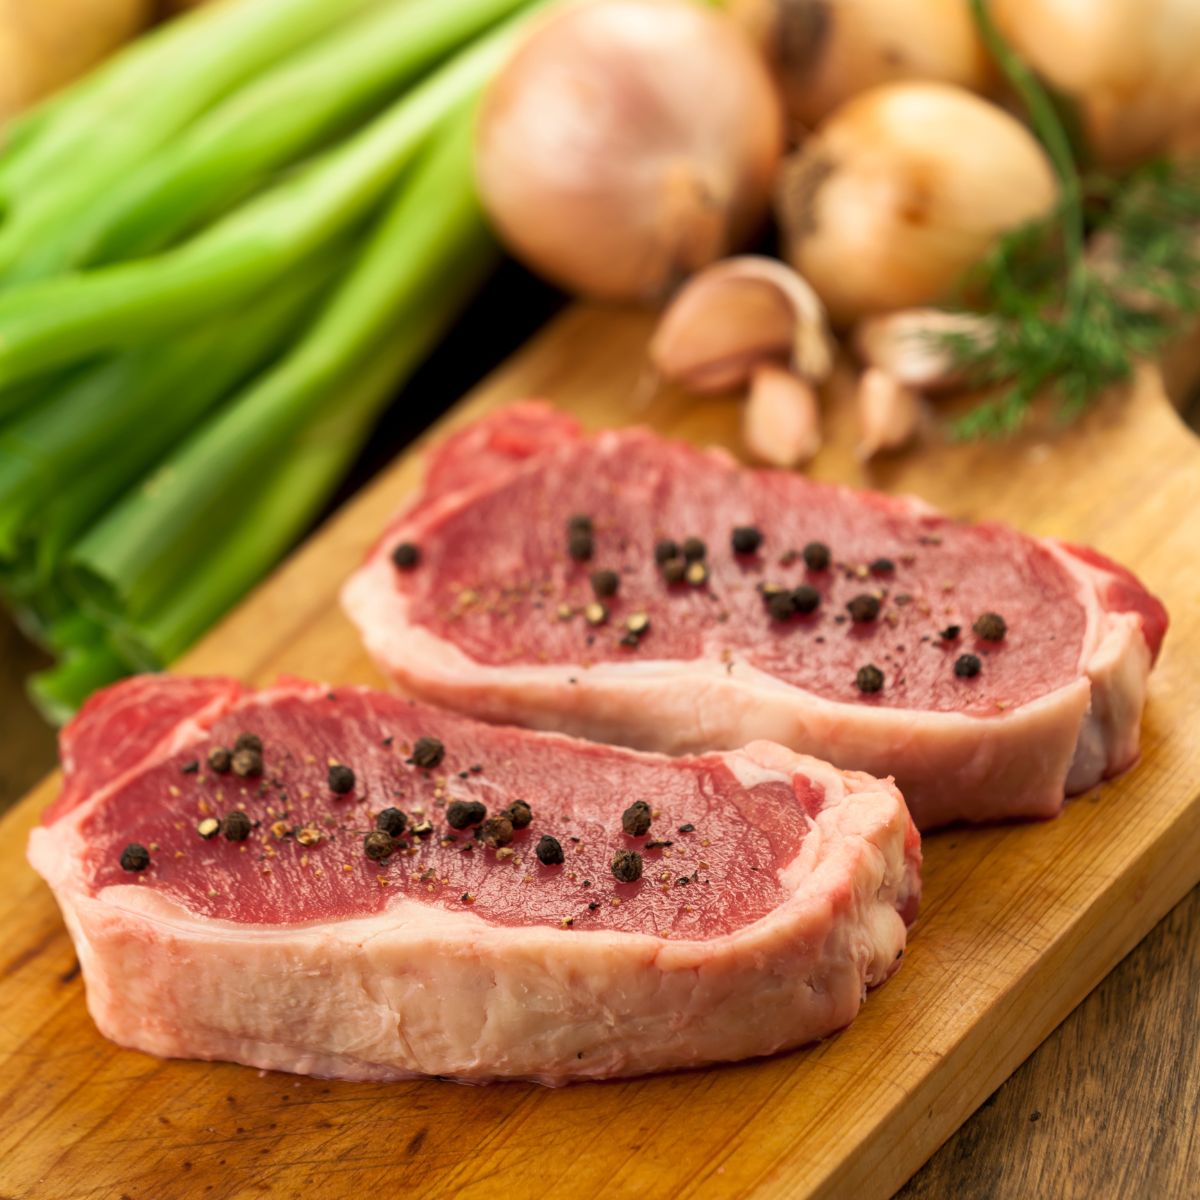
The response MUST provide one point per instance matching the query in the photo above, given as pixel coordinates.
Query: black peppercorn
(665, 550)
(882, 566)
(580, 545)
(950, 633)
(520, 814)
(780, 605)
(236, 826)
(341, 779)
(869, 678)
(461, 813)
(135, 857)
(746, 539)
(627, 866)
(248, 741)
(991, 627)
(674, 569)
(816, 556)
(406, 556)
(605, 583)
(247, 763)
(391, 821)
(428, 752)
(967, 666)
(549, 852)
(379, 845)
(863, 608)
(806, 599)
(635, 820)
(694, 549)
(496, 831)
(579, 523)
(219, 759)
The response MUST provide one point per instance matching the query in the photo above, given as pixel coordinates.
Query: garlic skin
(781, 422)
(628, 143)
(826, 51)
(1130, 66)
(889, 413)
(904, 344)
(901, 190)
(736, 314)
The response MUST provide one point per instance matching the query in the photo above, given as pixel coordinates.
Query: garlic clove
(736, 314)
(905, 344)
(781, 423)
(889, 413)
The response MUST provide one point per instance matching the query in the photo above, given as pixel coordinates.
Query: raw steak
(775, 890)
(492, 619)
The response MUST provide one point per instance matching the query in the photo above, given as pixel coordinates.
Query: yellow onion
(1130, 66)
(901, 190)
(628, 143)
(825, 51)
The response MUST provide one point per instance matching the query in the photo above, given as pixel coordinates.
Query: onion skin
(628, 143)
(903, 189)
(826, 51)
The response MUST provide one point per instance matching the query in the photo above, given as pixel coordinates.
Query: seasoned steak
(990, 672)
(349, 884)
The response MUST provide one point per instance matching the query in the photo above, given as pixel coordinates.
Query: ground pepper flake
(950, 633)
(697, 573)
(595, 613)
(208, 828)
(190, 768)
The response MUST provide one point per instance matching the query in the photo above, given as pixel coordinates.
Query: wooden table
(1107, 1105)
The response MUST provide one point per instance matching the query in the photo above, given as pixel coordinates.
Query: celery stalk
(129, 564)
(50, 322)
(59, 690)
(269, 124)
(136, 103)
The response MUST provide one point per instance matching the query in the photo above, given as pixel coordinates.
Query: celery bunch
(220, 255)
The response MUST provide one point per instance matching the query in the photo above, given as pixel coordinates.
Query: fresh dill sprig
(1064, 316)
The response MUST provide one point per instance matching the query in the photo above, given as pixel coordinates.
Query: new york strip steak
(348, 884)
(635, 590)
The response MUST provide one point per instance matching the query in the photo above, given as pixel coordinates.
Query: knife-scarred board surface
(1018, 923)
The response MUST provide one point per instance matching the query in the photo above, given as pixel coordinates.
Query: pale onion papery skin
(902, 190)
(628, 143)
(826, 51)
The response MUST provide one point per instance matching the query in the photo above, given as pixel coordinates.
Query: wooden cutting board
(1018, 923)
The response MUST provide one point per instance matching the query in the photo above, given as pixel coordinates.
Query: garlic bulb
(628, 143)
(904, 188)
(1130, 65)
(889, 413)
(825, 51)
(781, 423)
(738, 313)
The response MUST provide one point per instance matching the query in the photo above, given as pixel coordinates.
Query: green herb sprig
(1066, 318)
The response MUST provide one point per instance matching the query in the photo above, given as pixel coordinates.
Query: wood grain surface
(1019, 923)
